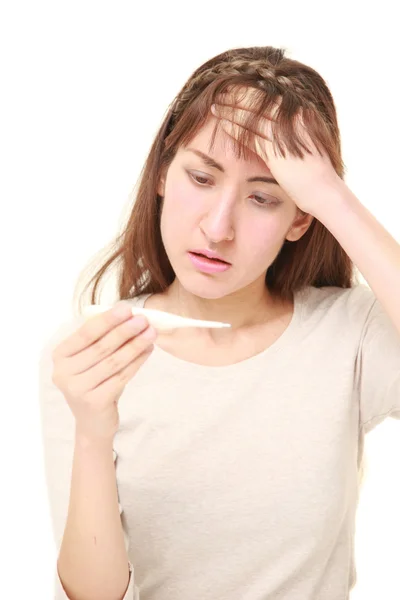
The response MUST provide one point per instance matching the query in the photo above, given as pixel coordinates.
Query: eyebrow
(212, 163)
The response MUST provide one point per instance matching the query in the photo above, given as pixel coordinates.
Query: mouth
(208, 265)
(213, 260)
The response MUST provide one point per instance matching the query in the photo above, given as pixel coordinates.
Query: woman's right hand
(93, 365)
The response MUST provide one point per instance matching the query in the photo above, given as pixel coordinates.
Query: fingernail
(214, 109)
(149, 333)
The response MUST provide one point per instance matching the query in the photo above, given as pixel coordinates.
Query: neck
(243, 309)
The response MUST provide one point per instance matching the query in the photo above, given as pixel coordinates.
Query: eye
(202, 180)
(265, 201)
(198, 178)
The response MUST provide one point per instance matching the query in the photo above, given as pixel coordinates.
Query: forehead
(223, 149)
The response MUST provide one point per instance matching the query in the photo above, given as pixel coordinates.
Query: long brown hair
(316, 259)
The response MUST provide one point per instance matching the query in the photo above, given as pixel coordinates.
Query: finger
(234, 129)
(117, 361)
(93, 329)
(258, 144)
(240, 117)
(123, 376)
(106, 345)
(303, 132)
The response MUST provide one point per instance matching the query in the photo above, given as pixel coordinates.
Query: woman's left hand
(303, 179)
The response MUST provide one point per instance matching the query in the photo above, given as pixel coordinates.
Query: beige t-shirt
(241, 481)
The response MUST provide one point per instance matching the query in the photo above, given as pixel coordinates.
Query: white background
(84, 87)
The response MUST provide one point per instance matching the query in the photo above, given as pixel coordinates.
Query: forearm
(374, 251)
(93, 562)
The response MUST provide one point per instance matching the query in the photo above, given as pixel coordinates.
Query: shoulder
(155, 301)
(351, 305)
(357, 295)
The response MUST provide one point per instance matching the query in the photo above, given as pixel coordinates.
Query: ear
(161, 187)
(161, 184)
(299, 226)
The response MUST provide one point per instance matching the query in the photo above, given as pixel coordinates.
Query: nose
(217, 225)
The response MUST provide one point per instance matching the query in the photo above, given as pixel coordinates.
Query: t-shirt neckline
(284, 340)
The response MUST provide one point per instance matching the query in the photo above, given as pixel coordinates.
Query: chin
(205, 286)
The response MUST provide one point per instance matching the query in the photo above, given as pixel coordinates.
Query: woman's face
(246, 222)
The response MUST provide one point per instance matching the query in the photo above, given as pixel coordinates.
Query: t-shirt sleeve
(58, 436)
(378, 372)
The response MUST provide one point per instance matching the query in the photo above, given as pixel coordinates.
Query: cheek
(181, 200)
(263, 237)
(181, 206)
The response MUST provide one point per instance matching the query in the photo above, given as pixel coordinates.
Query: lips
(217, 260)
(208, 265)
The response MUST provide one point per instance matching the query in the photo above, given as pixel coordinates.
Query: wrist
(86, 441)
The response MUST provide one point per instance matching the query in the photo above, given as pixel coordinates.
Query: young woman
(225, 463)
